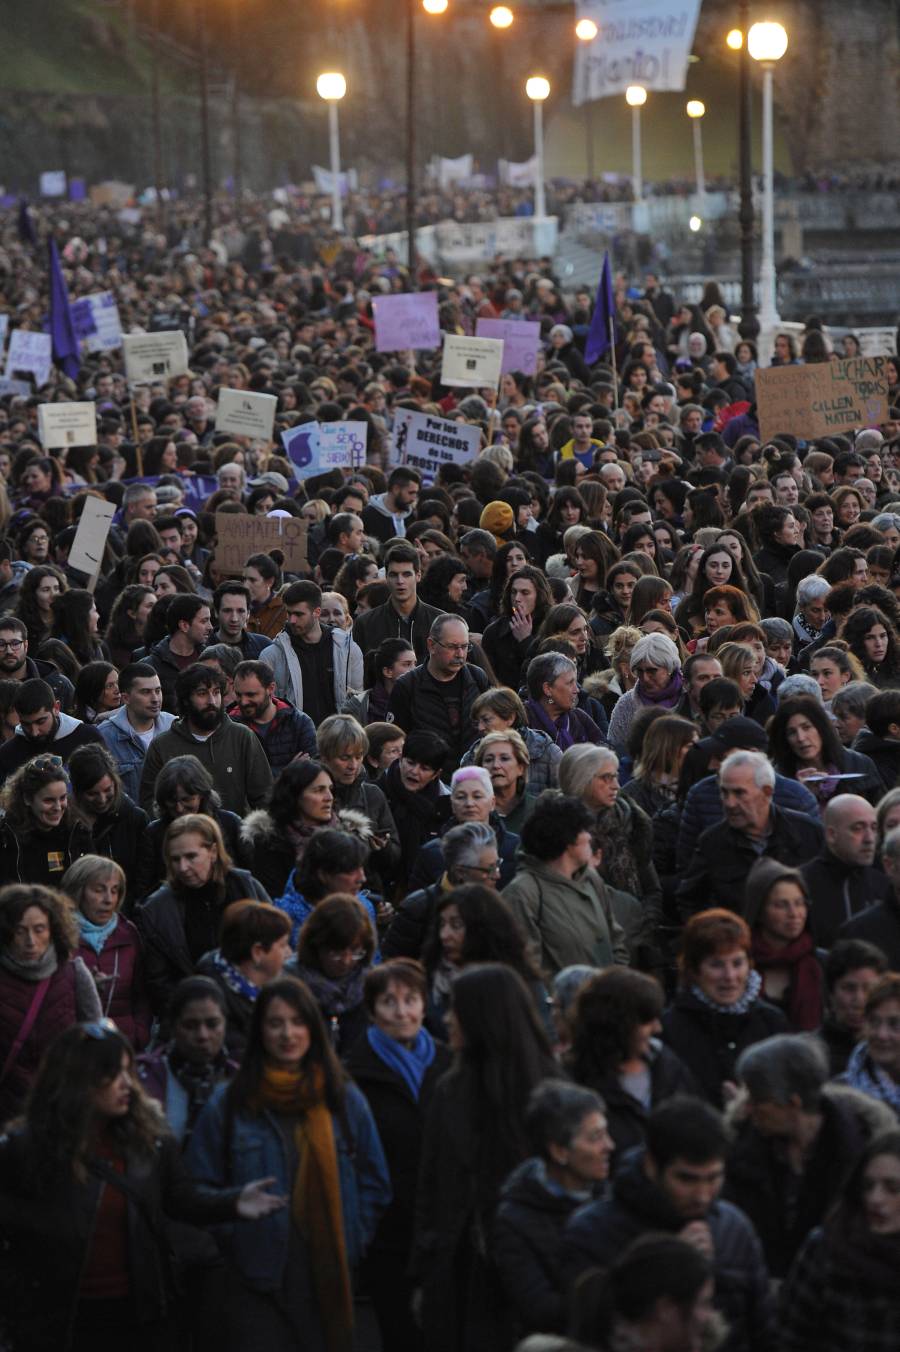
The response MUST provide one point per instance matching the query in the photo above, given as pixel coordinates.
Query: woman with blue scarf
(397, 1066)
(874, 1065)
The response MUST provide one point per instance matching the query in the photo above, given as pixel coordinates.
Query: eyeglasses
(354, 954)
(13, 644)
(100, 1030)
(46, 763)
(454, 647)
(491, 871)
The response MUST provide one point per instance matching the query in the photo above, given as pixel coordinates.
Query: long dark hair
(811, 707)
(846, 1218)
(121, 631)
(543, 595)
(243, 1092)
(27, 609)
(608, 1009)
(70, 623)
(493, 934)
(857, 625)
(59, 1120)
(293, 780)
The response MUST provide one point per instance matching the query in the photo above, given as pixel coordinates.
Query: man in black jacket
(842, 881)
(16, 665)
(403, 615)
(673, 1185)
(386, 514)
(725, 853)
(438, 695)
(880, 924)
(42, 728)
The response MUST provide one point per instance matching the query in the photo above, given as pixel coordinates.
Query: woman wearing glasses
(40, 835)
(657, 665)
(88, 1178)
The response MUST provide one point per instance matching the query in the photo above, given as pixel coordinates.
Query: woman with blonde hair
(505, 757)
(739, 664)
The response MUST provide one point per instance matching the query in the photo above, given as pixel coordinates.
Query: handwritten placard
(406, 321)
(471, 362)
(521, 340)
(821, 399)
(238, 536)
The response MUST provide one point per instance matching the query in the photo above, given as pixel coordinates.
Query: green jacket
(566, 920)
(233, 755)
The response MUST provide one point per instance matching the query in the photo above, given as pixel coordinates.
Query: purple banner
(521, 341)
(406, 321)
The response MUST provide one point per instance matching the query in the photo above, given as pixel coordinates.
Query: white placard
(638, 42)
(154, 356)
(426, 442)
(53, 183)
(30, 352)
(97, 323)
(90, 538)
(67, 425)
(474, 363)
(342, 445)
(246, 414)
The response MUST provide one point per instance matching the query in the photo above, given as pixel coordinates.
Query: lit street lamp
(538, 89)
(767, 44)
(695, 111)
(331, 86)
(636, 97)
(501, 16)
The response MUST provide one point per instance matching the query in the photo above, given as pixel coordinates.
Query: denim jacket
(258, 1150)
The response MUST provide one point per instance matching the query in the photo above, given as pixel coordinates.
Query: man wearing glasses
(438, 695)
(16, 665)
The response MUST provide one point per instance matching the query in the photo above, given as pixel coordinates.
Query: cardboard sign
(67, 425)
(317, 448)
(474, 363)
(407, 321)
(239, 536)
(245, 414)
(521, 342)
(90, 538)
(30, 352)
(819, 400)
(97, 324)
(154, 356)
(426, 442)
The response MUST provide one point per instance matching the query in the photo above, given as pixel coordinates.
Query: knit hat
(498, 518)
(740, 734)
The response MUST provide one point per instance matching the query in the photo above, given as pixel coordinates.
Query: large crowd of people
(489, 930)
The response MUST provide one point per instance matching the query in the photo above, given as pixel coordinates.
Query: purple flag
(62, 330)
(600, 334)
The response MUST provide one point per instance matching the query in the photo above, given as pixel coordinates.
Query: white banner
(67, 425)
(347, 182)
(645, 42)
(517, 175)
(53, 183)
(154, 356)
(245, 414)
(426, 442)
(32, 352)
(448, 171)
(97, 324)
(473, 363)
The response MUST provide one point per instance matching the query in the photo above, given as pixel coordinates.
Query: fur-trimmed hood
(875, 1115)
(258, 828)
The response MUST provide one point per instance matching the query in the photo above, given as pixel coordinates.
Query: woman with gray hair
(811, 613)
(623, 834)
(470, 856)
(471, 800)
(657, 665)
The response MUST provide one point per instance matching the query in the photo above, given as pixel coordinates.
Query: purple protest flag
(521, 342)
(26, 224)
(62, 329)
(601, 333)
(406, 321)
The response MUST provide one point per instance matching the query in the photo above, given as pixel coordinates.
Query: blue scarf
(410, 1063)
(863, 1074)
(95, 935)
(234, 978)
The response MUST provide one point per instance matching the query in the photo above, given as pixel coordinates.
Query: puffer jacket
(544, 759)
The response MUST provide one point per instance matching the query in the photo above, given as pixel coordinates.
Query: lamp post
(767, 44)
(205, 154)
(432, 7)
(331, 86)
(695, 111)
(748, 328)
(538, 89)
(585, 31)
(636, 97)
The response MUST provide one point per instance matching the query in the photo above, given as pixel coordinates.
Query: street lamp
(538, 89)
(585, 31)
(636, 97)
(331, 86)
(735, 39)
(767, 44)
(695, 111)
(501, 16)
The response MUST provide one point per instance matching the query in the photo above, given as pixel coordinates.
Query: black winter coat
(408, 930)
(709, 1042)
(626, 1117)
(879, 925)
(839, 892)
(151, 866)
(507, 655)
(599, 1232)
(883, 753)
(118, 835)
(41, 856)
(49, 1239)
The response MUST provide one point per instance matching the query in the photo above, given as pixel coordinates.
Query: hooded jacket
(285, 737)
(381, 522)
(567, 920)
(347, 666)
(70, 733)
(600, 1231)
(126, 747)
(61, 686)
(232, 755)
(839, 891)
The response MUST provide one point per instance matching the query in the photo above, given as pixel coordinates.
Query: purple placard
(406, 321)
(521, 340)
(77, 190)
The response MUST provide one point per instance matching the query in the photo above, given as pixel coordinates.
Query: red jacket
(119, 975)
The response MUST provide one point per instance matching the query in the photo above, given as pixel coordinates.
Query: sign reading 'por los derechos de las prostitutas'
(823, 398)
(426, 442)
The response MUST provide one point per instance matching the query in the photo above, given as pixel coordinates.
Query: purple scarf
(558, 731)
(669, 695)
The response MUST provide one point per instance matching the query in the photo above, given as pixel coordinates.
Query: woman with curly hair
(40, 834)
(445, 584)
(616, 1051)
(511, 639)
(872, 639)
(355, 573)
(804, 745)
(34, 603)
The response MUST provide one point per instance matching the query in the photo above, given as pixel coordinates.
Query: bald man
(843, 881)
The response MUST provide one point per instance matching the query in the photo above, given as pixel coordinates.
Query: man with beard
(42, 727)
(284, 732)
(16, 665)
(231, 753)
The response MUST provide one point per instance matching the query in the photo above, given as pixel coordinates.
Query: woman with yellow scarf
(291, 1114)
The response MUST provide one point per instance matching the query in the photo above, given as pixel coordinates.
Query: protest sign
(245, 414)
(14, 387)
(53, 183)
(316, 448)
(645, 45)
(30, 352)
(97, 324)
(426, 442)
(154, 356)
(67, 425)
(517, 175)
(451, 171)
(471, 362)
(237, 537)
(90, 537)
(406, 321)
(823, 398)
(877, 342)
(521, 342)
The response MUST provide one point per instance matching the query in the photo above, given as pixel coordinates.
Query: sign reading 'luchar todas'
(821, 399)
